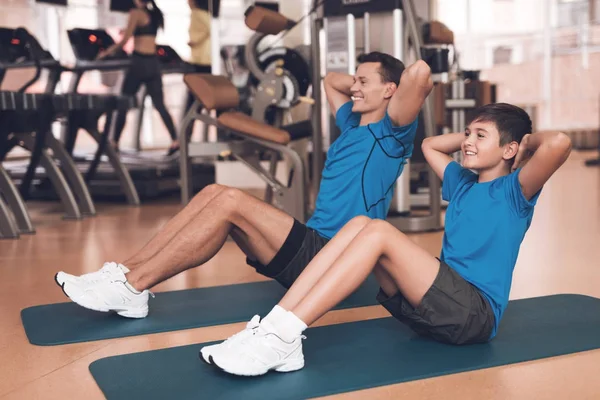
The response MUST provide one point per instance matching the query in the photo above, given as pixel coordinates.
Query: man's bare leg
(261, 227)
(170, 230)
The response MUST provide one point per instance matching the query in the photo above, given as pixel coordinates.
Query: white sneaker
(207, 351)
(260, 353)
(108, 270)
(111, 294)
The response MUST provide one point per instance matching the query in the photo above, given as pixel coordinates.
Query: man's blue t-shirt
(485, 225)
(361, 168)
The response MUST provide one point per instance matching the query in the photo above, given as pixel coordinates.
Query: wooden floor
(560, 254)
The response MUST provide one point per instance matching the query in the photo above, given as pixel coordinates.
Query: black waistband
(143, 55)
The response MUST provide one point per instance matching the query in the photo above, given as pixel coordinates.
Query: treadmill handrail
(29, 64)
(100, 65)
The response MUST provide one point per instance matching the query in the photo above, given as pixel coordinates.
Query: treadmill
(153, 176)
(34, 112)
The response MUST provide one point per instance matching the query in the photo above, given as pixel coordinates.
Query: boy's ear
(510, 150)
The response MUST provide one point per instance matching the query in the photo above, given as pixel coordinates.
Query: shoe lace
(97, 276)
(252, 325)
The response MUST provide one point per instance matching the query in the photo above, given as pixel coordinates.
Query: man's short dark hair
(390, 67)
(201, 4)
(511, 121)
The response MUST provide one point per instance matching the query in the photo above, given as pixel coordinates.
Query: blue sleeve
(454, 177)
(515, 196)
(345, 118)
(396, 141)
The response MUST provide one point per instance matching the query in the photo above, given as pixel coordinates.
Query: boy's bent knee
(380, 225)
(360, 220)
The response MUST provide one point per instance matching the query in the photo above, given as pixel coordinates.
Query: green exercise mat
(63, 323)
(359, 355)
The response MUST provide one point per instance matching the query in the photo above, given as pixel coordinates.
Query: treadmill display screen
(13, 46)
(54, 2)
(168, 56)
(88, 43)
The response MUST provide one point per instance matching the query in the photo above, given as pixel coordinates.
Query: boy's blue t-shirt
(361, 168)
(485, 225)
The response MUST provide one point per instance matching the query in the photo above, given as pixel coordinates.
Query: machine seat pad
(263, 20)
(213, 91)
(245, 124)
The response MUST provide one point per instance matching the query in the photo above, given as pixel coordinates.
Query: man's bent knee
(212, 189)
(209, 191)
(231, 199)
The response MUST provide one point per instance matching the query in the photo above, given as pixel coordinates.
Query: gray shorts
(299, 248)
(452, 311)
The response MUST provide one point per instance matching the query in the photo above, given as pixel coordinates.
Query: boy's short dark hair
(511, 121)
(391, 68)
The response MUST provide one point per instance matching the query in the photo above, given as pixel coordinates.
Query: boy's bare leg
(322, 261)
(378, 245)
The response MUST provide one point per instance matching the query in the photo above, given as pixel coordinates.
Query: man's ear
(390, 89)
(510, 150)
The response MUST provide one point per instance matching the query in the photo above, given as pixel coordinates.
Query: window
(502, 55)
(572, 12)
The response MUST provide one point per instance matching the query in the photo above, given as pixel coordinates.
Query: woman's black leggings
(145, 69)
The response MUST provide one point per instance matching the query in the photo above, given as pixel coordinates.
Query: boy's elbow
(426, 144)
(562, 144)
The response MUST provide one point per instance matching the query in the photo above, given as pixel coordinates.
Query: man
(376, 111)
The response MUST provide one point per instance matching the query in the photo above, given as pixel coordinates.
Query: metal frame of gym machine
(403, 14)
(594, 162)
(290, 196)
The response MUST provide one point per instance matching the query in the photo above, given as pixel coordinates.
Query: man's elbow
(422, 69)
(420, 74)
(329, 77)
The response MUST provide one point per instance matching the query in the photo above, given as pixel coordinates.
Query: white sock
(275, 315)
(290, 327)
(124, 268)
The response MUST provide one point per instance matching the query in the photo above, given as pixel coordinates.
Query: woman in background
(144, 21)
(199, 44)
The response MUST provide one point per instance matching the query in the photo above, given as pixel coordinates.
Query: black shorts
(452, 311)
(299, 248)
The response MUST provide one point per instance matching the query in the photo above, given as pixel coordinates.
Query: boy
(378, 129)
(457, 299)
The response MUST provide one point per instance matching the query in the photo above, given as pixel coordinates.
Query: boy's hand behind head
(523, 154)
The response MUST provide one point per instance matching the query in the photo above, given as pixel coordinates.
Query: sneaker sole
(59, 284)
(127, 313)
(287, 367)
(203, 359)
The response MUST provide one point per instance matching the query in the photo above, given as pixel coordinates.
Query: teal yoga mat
(359, 355)
(63, 323)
